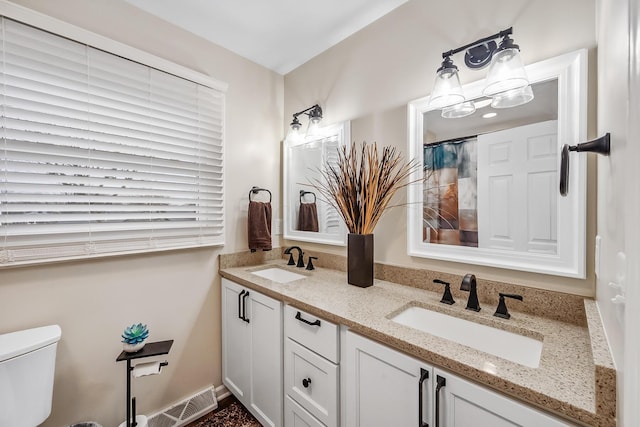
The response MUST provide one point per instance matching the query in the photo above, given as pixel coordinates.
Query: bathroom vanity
(347, 362)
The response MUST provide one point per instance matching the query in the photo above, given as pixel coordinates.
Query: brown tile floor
(230, 413)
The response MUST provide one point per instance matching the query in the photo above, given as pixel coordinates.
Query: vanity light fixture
(506, 83)
(315, 116)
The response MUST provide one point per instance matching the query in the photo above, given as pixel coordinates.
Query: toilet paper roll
(149, 368)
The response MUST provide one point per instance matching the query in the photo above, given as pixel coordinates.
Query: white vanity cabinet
(311, 370)
(252, 350)
(385, 387)
(463, 403)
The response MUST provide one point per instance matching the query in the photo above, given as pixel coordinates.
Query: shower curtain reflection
(450, 208)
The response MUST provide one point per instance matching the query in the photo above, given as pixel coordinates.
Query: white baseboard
(222, 392)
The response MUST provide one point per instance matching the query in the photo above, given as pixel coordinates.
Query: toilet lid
(18, 343)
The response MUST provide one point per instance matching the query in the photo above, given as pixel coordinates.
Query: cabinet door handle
(300, 318)
(440, 382)
(244, 307)
(306, 382)
(424, 375)
(240, 316)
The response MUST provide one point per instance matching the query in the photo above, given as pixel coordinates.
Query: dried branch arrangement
(362, 183)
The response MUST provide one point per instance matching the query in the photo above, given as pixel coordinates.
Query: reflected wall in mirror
(307, 217)
(490, 193)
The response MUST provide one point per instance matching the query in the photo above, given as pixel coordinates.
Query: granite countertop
(575, 378)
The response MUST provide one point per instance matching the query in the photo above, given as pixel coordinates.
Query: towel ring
(255, 190)
(303, 193)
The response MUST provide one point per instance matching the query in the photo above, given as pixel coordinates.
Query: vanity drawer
(312, 382)
(312, 332)
(296, 416)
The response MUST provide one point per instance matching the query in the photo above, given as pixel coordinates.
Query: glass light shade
(457, 111)
(506, 72)
(447, 90)
(294, 136)
(315, 115)
(513, 98)
(313, 129)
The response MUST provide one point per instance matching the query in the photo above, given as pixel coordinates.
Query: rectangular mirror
(307, 217)
(490, 181)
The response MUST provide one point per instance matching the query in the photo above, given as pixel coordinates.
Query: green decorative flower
(135, 334)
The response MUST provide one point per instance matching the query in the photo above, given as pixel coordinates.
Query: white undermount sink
(278, 275)
(507, 345)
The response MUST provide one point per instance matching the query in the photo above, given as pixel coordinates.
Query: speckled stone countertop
(575, 378)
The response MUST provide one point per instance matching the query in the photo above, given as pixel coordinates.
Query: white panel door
(464, 404)
(517, 189)
(235, 342)
(383, 386)
(265, 317)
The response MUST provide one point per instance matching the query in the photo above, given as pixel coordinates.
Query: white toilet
(27, 364)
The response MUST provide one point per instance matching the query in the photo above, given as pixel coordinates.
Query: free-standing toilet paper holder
(150, 349)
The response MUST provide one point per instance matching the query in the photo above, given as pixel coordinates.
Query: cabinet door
(235, 342)
(312, 381)
(384, 386)
(265, 317)
(464, 404)
(296, 416)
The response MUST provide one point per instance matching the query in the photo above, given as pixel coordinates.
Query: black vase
(360, 259)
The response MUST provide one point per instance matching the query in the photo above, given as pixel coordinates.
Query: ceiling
(278, 34)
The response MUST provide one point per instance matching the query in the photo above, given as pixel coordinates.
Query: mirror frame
(343, 131)
(571, 71)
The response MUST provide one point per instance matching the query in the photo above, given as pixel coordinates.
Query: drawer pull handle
(315, 323)
(306, 382)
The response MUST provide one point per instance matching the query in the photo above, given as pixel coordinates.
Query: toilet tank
(27, 365)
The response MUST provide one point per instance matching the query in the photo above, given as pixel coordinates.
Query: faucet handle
(310, 263)
(447, 298)
(502, 311)
(291, 261)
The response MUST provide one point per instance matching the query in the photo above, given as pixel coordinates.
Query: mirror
(307, 217)
(489, 191)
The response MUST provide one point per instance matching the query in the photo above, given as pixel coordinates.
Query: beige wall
(176, 293)
(370, 77)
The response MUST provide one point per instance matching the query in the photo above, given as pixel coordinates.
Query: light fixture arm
(502, 33)
(313, 111)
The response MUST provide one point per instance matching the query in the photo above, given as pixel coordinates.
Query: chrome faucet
(300, 256)
(469, 284)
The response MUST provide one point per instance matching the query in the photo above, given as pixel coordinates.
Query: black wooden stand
(150, 349)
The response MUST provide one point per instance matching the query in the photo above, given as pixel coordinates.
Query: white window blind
(103, 155)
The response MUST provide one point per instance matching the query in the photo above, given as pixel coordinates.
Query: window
(103, 155)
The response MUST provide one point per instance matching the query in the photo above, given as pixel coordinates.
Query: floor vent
(186, 411)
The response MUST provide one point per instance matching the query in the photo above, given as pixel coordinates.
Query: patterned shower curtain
(450, 211)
